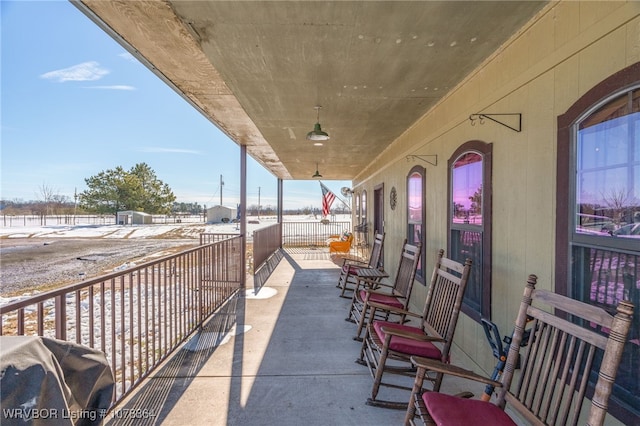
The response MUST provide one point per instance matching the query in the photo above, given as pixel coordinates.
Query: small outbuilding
(130, 217)
(217, 214)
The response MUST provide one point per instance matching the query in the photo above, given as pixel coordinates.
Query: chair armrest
(441, 367)
(369, 282)
(410, 335)
(377, 285)
(376, 290)
(393, 309)
(353, 261)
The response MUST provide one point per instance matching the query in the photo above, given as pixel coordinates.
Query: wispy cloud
(86, 71)
(169, 150)
(128, 56)
(113, 87)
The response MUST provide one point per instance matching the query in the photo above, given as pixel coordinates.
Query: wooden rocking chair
(350, 267)
(555, 367)
(396, 295)
(386, 341)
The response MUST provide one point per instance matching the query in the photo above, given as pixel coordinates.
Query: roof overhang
(257, 69)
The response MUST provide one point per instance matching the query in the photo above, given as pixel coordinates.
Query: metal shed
(130, 217)
(218, 214)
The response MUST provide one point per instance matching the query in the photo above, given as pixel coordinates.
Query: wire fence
(18, 221)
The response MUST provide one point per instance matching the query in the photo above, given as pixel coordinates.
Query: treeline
(59, 206)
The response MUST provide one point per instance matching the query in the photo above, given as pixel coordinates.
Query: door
(378, 212)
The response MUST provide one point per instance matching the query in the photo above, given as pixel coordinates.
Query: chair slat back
(444, 299)
(406, 274)
(556, 363)
(376, 251)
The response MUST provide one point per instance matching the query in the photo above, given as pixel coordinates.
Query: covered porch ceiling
(257, 69)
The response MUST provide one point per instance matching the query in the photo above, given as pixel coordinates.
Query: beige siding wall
(566, 50)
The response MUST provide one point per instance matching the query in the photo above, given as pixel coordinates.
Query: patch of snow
(263, 293)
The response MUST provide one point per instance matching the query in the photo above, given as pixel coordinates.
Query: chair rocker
(394, 295)
(388, 347)
(350, 267)
(555, 365)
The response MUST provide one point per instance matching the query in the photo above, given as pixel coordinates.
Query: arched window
(470, 222)
(357, 208)
(607, 168)
(363, 211)
(416, 214)
(598, 212)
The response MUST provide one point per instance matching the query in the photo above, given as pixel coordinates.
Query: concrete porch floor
(283, 356)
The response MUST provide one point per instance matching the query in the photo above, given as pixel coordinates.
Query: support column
(280, 208)
(243, 215)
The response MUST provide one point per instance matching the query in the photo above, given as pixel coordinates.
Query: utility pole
(258, 202)
(221, 185)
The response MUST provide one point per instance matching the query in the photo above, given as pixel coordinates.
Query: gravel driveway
(27, 264)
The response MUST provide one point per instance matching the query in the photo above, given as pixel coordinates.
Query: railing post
(61, 316)
(199, 295)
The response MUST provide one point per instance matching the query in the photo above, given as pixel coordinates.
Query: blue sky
(75, 103)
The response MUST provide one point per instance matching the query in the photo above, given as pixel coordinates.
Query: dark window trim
(598, 93)
(601, 91)
(423, 255)
(486, 150)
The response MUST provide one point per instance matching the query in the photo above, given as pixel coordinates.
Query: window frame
(566, 237)
(486, 151)
(622, 244)
(420, 273)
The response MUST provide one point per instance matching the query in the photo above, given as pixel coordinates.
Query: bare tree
(617, 201)
(48, 196)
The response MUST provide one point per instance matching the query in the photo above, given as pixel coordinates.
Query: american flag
(327, 199)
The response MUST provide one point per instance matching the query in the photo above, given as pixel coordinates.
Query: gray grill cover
(48, 381)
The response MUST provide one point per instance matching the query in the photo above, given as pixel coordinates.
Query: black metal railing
(265, 242)
(311, 234)
(138, 316)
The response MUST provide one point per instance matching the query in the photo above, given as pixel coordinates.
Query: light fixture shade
(317, 134)
(317, 174)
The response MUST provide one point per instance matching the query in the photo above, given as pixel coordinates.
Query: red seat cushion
(382, 299)
(351, 269)
(451, 410)
(406, 345)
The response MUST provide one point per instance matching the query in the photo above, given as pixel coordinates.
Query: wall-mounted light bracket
(431, 159)
(516, 127)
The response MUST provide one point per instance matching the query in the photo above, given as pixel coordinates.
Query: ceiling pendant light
(317, 174)
(317, 134)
